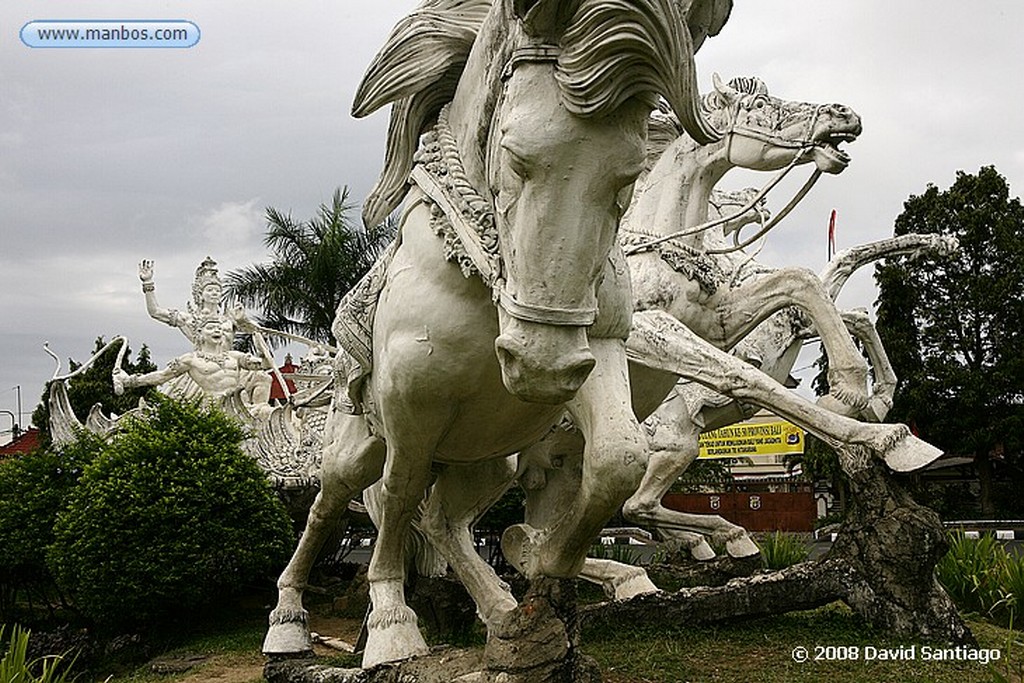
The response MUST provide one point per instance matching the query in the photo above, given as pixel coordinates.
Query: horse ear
(545, 18)
(727, 94)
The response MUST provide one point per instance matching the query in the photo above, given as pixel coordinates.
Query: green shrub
(171, 516)
(1011, 588)
(33, 488)
(15, 667)
(971, 572)
(623, 554)
(779, 550)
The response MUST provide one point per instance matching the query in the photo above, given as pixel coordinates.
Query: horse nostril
(577, 372)
(507, 350)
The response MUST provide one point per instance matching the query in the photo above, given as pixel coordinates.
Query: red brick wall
(752, 511)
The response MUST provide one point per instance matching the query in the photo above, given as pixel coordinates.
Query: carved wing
(706, 18)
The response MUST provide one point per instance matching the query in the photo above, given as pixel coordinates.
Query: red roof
(25, 442)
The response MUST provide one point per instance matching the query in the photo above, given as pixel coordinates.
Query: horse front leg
(552, 470)
(352, 460)
(660, 341)
(392, 631)
(740, 310)
(613, 463)
(884, 385)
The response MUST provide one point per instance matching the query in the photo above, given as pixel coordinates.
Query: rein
(749, 206)
(804, 145)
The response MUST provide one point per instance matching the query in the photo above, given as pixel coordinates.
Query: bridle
(536, 53)
(803, 145)
(466, 224)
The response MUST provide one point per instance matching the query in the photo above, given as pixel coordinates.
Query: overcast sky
(111, 156)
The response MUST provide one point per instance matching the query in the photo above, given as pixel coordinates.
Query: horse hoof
(905, 452)
(288, 636)
(634, 584)
(519, 546)
(702, 551)
(392, 635)
(741, 547)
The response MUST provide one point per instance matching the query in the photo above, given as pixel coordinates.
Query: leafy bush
(15, 667)
(980, 576)
(623, 554)
(170, 517)
(970, 572)
(779, 550)
(33, 488)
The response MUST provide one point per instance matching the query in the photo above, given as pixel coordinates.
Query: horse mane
(417, 69)
(663, 128)
(614, 50)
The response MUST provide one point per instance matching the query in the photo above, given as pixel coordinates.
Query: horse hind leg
(619, 581)
(670, 457)
(458, 498)
(353, 459)
(884, 386)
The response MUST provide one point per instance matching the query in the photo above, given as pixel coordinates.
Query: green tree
(954, 327)
(94, 386)
(170, 517)
(314, 264)
(33, 489)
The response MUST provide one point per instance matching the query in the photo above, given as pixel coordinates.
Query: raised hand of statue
(241, 320)
(146, 270)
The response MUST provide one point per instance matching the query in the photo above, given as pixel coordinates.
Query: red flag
(831, 234)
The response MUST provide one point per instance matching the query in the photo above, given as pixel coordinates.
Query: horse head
(567, 143)
(547, 102)
(766, 133)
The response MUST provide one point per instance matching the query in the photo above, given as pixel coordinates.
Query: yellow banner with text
(742, 440)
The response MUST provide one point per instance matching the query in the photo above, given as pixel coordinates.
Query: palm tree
(314, 263)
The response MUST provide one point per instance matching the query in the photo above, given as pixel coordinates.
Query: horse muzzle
(537, 369)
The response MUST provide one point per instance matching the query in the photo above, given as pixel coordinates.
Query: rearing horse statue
(541, 112)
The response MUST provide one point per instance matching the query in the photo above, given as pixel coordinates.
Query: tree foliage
(33, 489)
(954, 327)
(94, 386)
(314, 264)
(168, 518)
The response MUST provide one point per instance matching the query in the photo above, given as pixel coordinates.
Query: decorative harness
(465, 219)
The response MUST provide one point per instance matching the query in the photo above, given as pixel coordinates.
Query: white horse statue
(541, 112)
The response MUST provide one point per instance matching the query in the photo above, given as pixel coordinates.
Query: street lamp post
(21, 421)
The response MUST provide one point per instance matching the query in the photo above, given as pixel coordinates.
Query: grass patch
(761, 651)
(779, 550)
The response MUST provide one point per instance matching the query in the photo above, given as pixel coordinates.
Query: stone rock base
(537, 643)
(882, 565)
